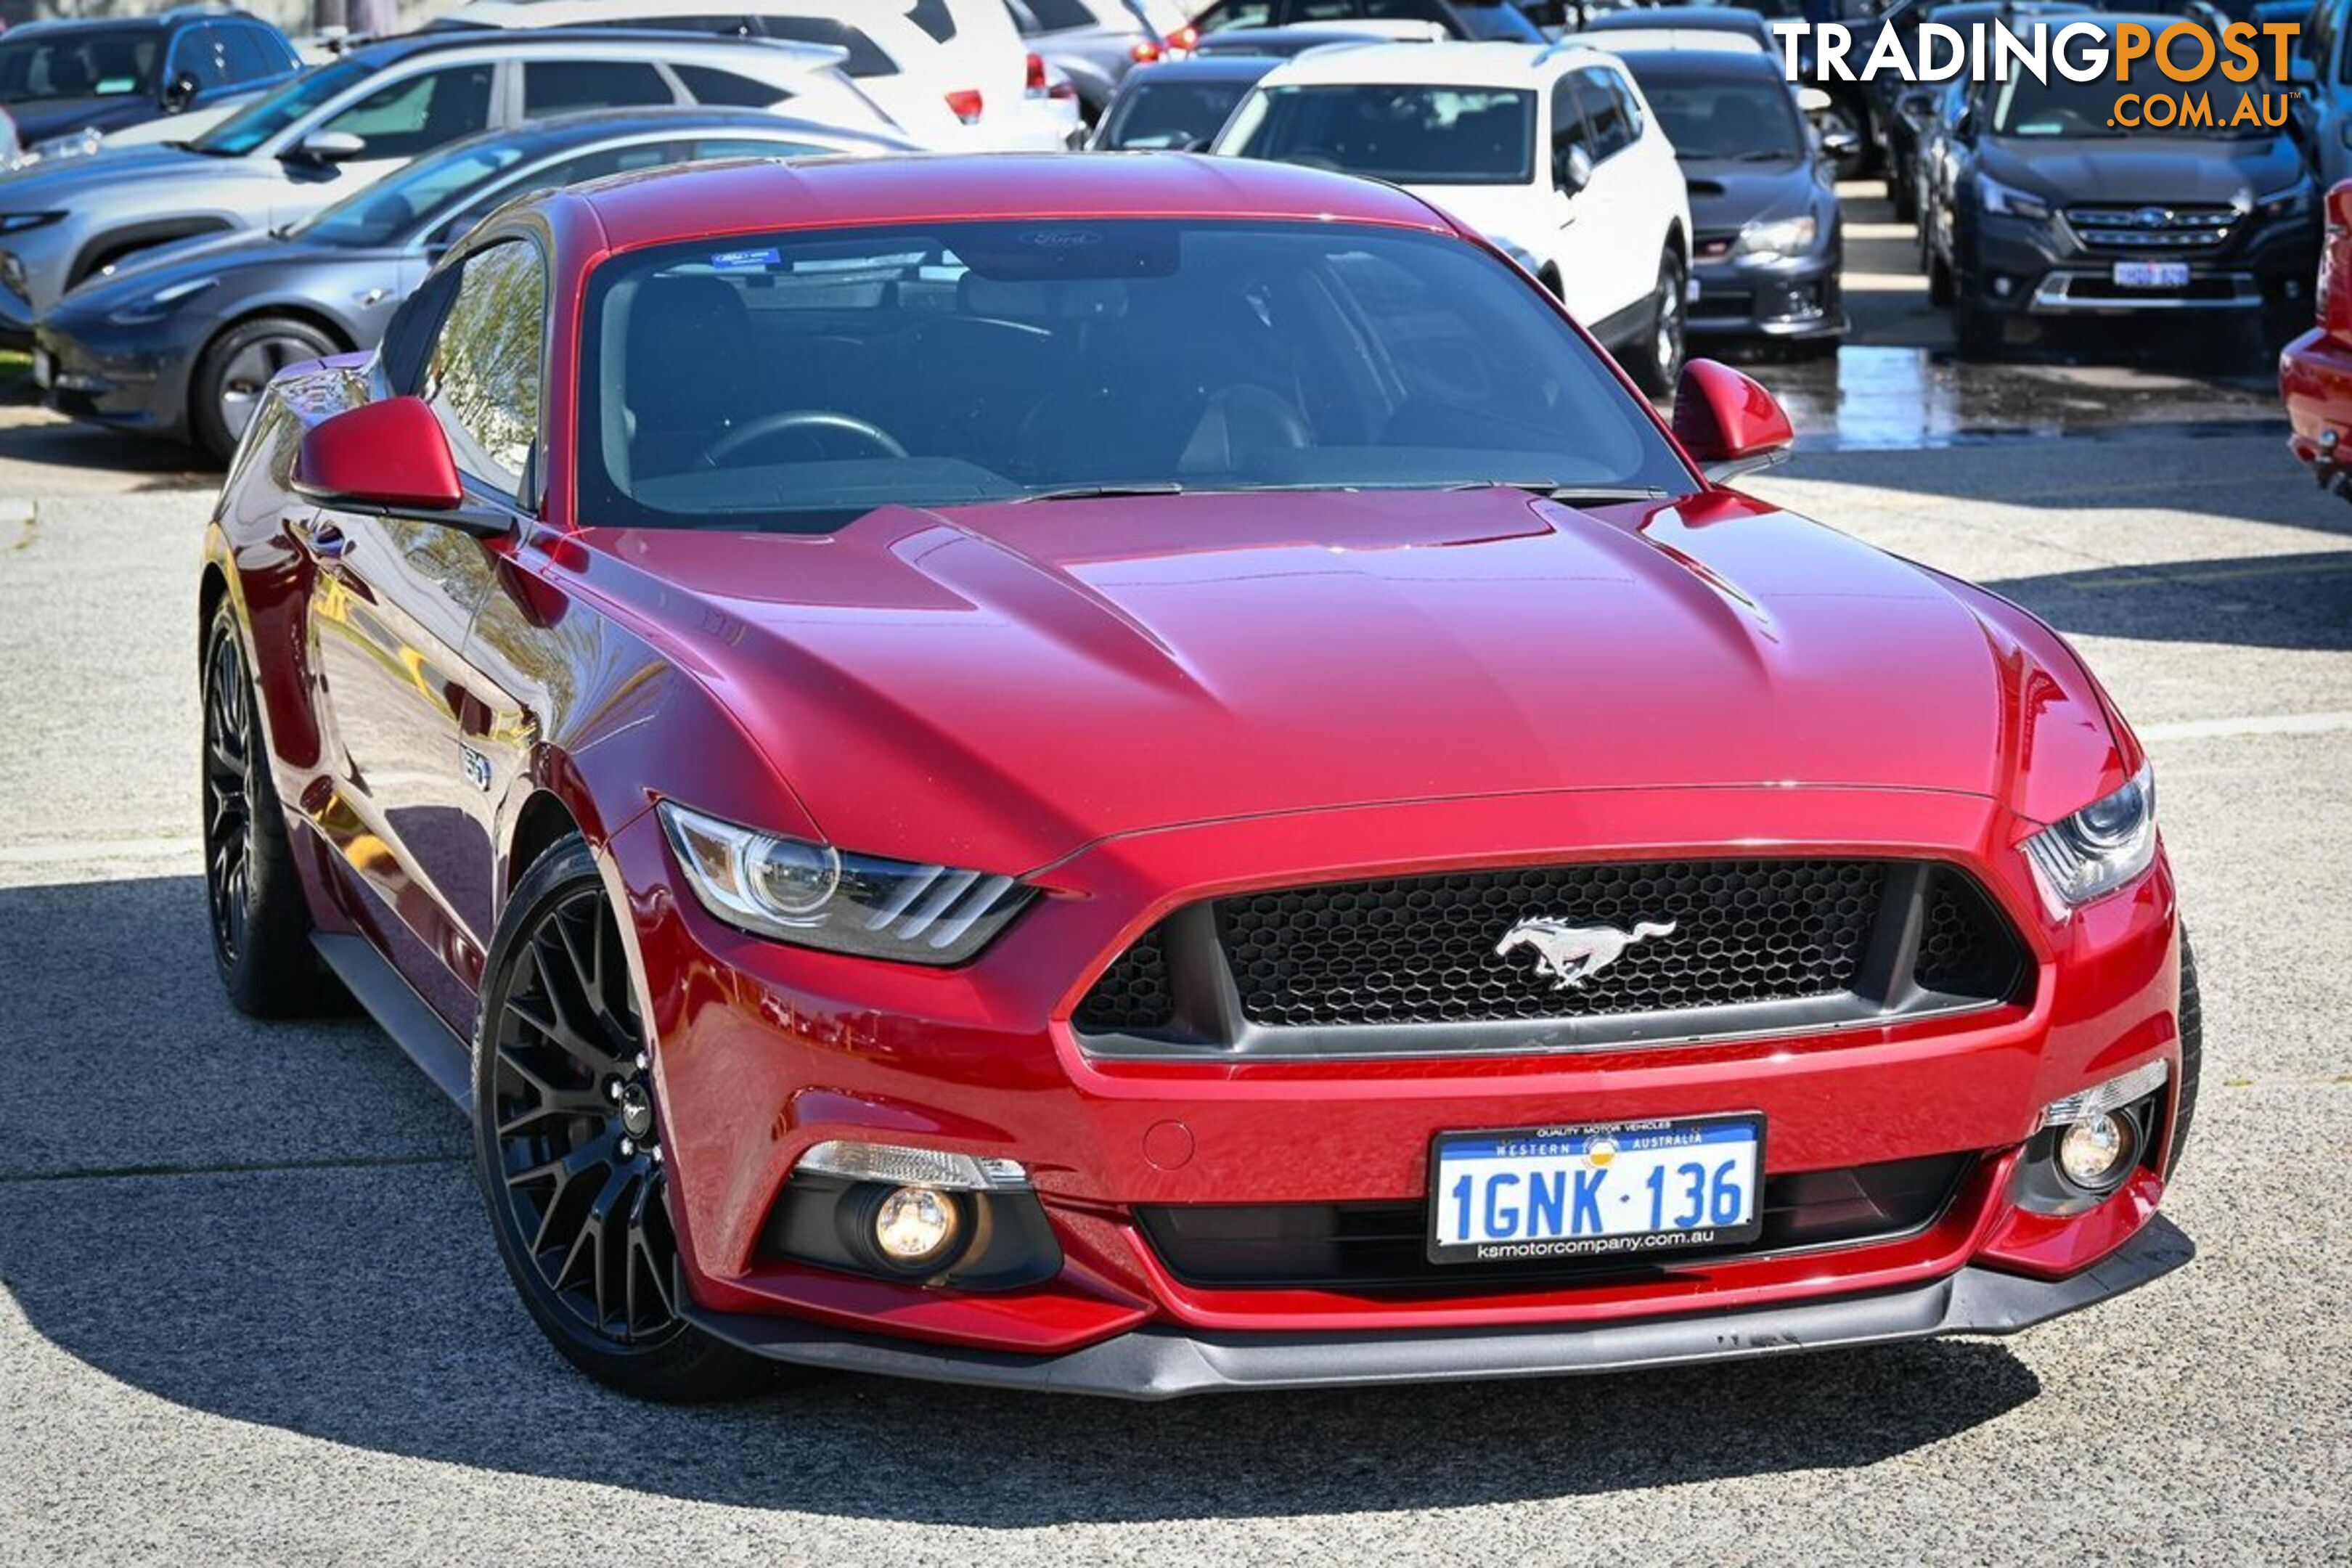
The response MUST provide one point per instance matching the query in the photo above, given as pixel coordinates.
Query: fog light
(2096, 1151)
(913, 1225)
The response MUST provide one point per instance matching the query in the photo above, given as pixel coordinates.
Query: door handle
(324, 540)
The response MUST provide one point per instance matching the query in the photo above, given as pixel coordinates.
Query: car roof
(1431, 65)
(1207, 67)
(1700, 18)
(686, 202)
(1681, 41)
(560, 133)
(1698, 65)
(504, 40)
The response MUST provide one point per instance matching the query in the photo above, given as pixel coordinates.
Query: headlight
(2097, 850)
(81, 144)
(156, 306)
(1997, 198)
(1779, 236)
(817, 895)
(17, 222)
(2293, 202)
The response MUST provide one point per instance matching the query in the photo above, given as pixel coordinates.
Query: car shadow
(304, 1248)
(2302, 601)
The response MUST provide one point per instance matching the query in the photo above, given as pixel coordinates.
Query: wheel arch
(302, 311)
(116, 243)
(543, 822)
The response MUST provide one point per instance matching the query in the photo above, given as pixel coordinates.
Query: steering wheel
(825, 421)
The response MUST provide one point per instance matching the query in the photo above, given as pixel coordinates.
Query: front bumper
(762, 1051)
(1786, 301)
(1164, 1363)
(2017, 266)
(131, 377)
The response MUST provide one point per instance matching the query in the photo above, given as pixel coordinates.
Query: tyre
(252, 895)
(1657, 359)
(2193, 1056)
(1978, 332)
(234, 369)
(567, 1145)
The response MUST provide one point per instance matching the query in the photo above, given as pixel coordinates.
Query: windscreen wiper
(1105, 493)
(1568, 495)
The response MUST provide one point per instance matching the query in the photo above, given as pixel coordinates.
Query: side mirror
(1964, 124)
(1729, 424)
(1572, 168)
(388, 457)
(178, 93)
(330, 146)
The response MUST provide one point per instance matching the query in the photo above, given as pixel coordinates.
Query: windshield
(265, 117)
(94, 62)
(981, 362)
(1173, 114)
(2022, 107)
(1496, 20)
(1752, 119)
(1412, 135)
(390, 209)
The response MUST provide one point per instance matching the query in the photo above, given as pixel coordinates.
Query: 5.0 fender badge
(1574, 955)
(476, 766)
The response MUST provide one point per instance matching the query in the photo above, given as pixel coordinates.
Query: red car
(1149, 774)
(2315, 370)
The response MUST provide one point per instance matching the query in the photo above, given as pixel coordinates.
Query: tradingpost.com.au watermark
(2186, 77)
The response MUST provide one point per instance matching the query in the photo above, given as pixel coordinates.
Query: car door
(412, 115)
(1619, 244)
(395, 600)
(1579, 240)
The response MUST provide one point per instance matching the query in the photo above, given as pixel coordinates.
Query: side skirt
(415, 1027)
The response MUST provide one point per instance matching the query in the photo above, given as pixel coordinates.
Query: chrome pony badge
(1574, 955)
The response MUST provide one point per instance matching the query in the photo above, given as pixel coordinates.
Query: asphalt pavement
(249, 1311)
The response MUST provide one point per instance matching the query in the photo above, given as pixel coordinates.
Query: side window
(408, 336)
(1055, 15)
(1567, 126)
(421, 112)
(483, 375)
(1235, 14)
(1326, 10)
(252, 54)
(1408, 11)
(201, 54)
(934, 17)
(1621, 87)
(1605, 110)
(707, 84)
(557, 87)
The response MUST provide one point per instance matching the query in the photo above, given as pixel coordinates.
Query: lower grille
(1557, 957)
(1380, 1245)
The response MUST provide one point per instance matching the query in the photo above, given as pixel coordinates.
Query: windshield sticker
(744, 260)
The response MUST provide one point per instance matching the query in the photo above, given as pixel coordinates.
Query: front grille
(1375, 1245)
(1702, 949)
(1423, 949)
(2152, 227)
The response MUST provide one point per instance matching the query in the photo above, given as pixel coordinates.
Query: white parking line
(2268, 724)
(100, 849)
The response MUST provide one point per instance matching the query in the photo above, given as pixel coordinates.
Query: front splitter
(1162, 1363)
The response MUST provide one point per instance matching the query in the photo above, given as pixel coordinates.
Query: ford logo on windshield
(1064, 238)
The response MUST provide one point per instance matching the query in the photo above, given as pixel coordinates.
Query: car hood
(125, 174)
(999, 686)
(39, 121)
(1726, 193)
(2135, 169)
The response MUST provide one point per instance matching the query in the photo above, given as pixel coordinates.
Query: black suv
(2048, 204)
(58, 78)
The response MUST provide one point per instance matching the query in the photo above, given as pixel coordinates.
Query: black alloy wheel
(1656, 360)
(568, 1144)
(259, 922)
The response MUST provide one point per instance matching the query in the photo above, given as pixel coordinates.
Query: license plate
(1595, 1189)
(45, 369)
(2151, 275)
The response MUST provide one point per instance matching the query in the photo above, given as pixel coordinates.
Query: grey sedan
(180, 342)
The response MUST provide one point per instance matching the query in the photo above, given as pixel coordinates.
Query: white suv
(1549, 153)
(938, 92)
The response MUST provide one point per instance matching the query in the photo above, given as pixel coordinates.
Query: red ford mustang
(1148, 775)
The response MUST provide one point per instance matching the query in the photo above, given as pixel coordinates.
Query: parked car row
(1659, 179)
(2040, 202)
